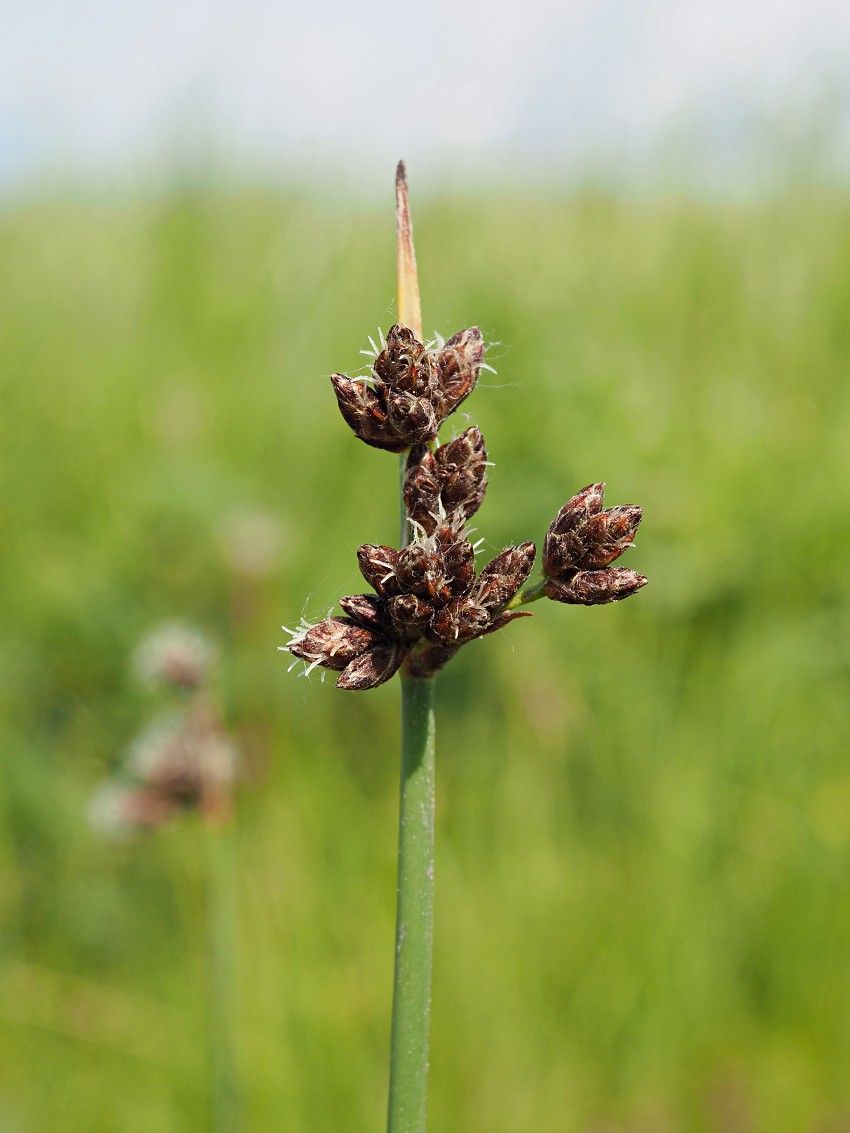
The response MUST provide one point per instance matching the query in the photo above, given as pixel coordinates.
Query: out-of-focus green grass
(643, 910)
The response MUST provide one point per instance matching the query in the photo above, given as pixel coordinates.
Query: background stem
(221, 928)
(415, 915)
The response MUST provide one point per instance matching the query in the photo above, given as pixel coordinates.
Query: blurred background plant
(643, 923)
(184, 761)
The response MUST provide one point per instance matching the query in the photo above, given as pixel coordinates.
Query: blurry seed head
(182, 752)
(251, 542)
(175, 655)
(108, 811)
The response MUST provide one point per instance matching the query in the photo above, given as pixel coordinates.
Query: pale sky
(102, 87)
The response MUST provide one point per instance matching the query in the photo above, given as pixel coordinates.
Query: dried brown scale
(460, 364)
(422, 489)
(459, 622)
(413, 419)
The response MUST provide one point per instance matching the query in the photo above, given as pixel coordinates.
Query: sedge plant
(428, 600)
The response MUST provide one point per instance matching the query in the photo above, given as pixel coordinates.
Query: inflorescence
(428, 601)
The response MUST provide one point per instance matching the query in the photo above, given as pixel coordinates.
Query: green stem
(532, 593)
(221, 928)
(415, 911)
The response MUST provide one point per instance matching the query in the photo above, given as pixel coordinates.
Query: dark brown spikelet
(414, 420)
(422, 489)
(373, 667)
(459, 363)
(459, 566)
(500, 580)
(411, 390)
(478, 612)
(420, 571)
(332, 643)
(365, 411)
(462, 469)
(583, 536)
(378, 567)
(410, 615)
(367, 610)
(398, 364)
(595, 587)
(462, 620)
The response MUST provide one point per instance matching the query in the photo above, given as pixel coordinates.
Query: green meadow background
(643, 828)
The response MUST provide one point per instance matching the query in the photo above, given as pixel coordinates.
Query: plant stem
(415, 911)
(221, 925)
(415, 897)
(532, 593)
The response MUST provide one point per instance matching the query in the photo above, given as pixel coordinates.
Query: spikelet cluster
(427, 600)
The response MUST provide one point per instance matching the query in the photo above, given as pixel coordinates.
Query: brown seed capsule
(378, 567)
(332, 643)
(595, 587)
(373, 667)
